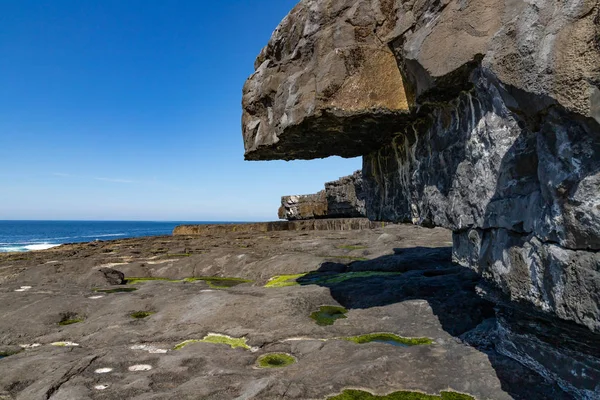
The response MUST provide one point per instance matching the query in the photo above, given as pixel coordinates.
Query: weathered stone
(425, 296)
(308, 206)
(346, 197)
(343, 198)
(325, 68)
(336, 224)
(112, 276)
(499, 140)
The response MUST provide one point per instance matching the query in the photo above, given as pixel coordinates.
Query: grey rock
(437, 301)
(112, 276)
(346, 197)
(492, 131)
(309, 206)
(557, 281)
(343, 198)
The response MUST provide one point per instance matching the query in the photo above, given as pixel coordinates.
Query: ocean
(41, 235)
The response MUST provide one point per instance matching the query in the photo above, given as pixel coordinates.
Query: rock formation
(334, 224)
(343, 198)
(482, 117)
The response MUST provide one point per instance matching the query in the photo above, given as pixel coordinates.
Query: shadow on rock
(429, 274)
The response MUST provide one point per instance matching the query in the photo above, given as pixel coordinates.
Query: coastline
(23, 236)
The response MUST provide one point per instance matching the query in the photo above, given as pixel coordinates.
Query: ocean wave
(47, 240)
(27, 247)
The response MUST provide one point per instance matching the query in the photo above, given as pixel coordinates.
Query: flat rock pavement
(67, 331)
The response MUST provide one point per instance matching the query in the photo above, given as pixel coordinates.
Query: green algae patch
(388, 338)
(284, 280)
(327, 315)
(116, 290)
(275, 360)
(214, 282)
(216, 338)
(352, 394)
(140, 314)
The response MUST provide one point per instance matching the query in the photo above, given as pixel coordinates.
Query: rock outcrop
(343, 198)
(305, 206)
(481, 117)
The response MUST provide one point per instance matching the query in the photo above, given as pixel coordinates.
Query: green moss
(212, 281)
(327, 315)
(216, 338)
(141, 314)
(284, 280)
(70, 321)
(388, 338)
(352, 247)
(351, 394)
(275, 360)
(116, 290)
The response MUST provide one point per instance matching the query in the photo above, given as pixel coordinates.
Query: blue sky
(113, 109)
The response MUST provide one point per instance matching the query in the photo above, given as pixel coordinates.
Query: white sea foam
(27, 247)
(42, 246)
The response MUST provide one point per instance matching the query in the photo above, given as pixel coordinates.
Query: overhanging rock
(482, 117)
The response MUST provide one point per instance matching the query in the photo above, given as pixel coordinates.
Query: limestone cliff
(343, 198)
(482, 117)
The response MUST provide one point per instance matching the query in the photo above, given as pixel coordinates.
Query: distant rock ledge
(343, 198)
(337, 224)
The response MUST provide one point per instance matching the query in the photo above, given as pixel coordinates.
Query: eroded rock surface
(497, 137)
(331, 224)
(343, 198)
(397, 279)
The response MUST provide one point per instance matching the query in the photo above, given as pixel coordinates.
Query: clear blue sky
(130, 109)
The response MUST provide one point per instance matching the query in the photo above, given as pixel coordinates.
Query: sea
(18, 236)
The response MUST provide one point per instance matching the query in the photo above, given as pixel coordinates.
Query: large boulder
(482, 117)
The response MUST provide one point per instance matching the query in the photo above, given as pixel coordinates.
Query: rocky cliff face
(343, 198)
(482, 117)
